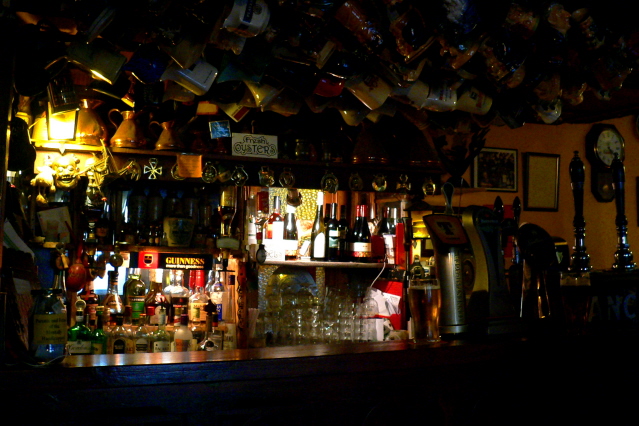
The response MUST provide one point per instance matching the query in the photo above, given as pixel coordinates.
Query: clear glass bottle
(161, 339)
(135, 293)
(183, 335)
(155, 298)
(216, 292)
(47, 326)
(112, 301)
(275, 223)
(179, 297)
(119, 341)
(141, 335)
(198, 299)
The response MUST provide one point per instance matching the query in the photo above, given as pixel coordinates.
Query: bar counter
(510, 381)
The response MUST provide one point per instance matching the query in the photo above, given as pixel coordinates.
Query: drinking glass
(424, 297)
(576, 297)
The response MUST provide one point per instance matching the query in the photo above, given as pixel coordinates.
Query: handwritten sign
(251, 145)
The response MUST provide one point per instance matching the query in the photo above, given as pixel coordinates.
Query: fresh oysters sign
(250, 145)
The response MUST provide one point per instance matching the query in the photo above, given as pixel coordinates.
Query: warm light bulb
(62, 126)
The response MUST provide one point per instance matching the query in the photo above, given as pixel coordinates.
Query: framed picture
(541, 182)
(495, 169)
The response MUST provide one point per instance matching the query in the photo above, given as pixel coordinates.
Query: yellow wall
(564, 139)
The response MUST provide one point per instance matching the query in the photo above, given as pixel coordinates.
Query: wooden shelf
(310, 263)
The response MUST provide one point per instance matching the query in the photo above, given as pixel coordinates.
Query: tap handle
(618, 180)
(517, 209)
(577, 178)
(498, 208)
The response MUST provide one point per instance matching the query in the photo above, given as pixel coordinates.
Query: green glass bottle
(99, 336)
(79, 336)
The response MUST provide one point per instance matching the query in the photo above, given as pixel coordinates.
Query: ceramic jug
(168, 139)
(128, 133)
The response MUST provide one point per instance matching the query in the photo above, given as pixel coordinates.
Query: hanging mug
(329, 182)
(209, 174)
(267, 177)
(239, 176)
(379, 182)
(355, 182)
(287, 180)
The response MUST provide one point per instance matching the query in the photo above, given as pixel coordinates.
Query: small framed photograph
(541, 182)
(495, 169)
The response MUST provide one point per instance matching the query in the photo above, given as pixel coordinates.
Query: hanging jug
(128, 133)
(168, 139)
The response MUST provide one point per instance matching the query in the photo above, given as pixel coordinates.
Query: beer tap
(516, 270)
(579, 260)
(623, 255)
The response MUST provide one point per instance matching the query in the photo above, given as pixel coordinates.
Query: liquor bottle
(154, 298)
(216, 291)
(79, 336)
(183, 336)
(343, 229)
(383, 226)
(47, 326)
(229, 323)
(112, 302)
(135, 293)
(196, 324)
(141, 335)
(198, 299)
(137, 207)
(275, 223)
(118, 339)
(360, 241)
(290, 234)
(160, 338)
(99, 337)
(318, 232)
(91, 299)
(127, 319)
(332, 234)
(179, 297)
(154, 206)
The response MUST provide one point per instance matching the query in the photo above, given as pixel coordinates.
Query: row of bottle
(130, 336)
(145, 221)
(332, 239)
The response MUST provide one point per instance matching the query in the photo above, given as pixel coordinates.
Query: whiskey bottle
(112, 302)
(135, 294)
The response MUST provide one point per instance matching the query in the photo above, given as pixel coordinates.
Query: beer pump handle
(623, 255)
(618, 183)
(408, 242)
(498, 209)
(579, 260)
(407, 237)
(517, 209)
(577, 178)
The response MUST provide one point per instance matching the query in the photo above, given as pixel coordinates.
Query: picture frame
(541, 182)
(496, 169)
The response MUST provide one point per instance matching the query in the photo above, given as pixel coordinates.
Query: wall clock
(603, 143)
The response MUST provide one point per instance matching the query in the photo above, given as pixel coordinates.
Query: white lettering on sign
(251, 145)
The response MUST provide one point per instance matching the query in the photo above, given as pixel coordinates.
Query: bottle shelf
(317, 264)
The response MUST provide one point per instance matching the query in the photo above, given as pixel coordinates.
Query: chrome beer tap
(623, 255)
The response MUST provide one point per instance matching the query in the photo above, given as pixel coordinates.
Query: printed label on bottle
(319, 246)
(79, 347)
(119, 346)
(137, 305)
(333, 238)
(361, 250)
(276, 230)
(141, 345)
(49, 329)
(97, 348)
(197, 312)
(161, 346)
(182, 345)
